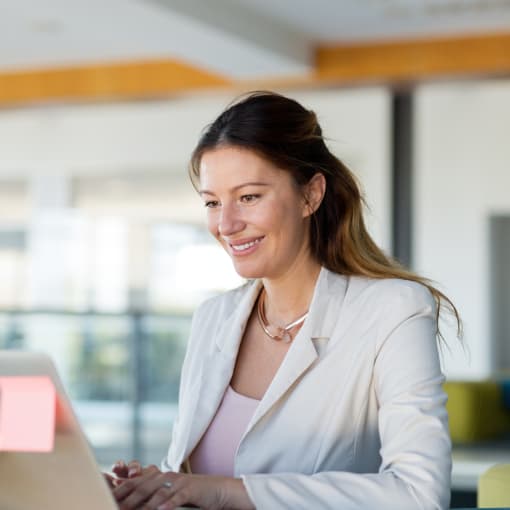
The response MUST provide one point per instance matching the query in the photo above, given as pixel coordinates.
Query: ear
(313, 193)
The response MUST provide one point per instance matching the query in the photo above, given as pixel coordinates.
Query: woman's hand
(122, 472)
(130, 470)
(153, 490)
(110, 480)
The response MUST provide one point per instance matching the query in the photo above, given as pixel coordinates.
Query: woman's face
(255, 210)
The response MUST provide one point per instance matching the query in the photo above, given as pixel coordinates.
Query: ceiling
(238, 39)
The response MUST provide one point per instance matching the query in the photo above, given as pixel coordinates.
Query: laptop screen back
(67, 477)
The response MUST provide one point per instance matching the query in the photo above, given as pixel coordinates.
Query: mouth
(245, 246)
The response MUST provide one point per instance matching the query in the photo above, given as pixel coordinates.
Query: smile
(245, 246)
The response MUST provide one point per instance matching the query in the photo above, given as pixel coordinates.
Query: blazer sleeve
(169, 463)
(415, 445)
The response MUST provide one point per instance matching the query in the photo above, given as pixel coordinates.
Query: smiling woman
(256, 211)
(316, 384)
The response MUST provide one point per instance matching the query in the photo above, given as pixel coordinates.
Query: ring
(167, 485)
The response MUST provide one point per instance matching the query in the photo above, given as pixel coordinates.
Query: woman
(316, 384)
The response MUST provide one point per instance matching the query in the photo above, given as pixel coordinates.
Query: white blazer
(355, 416)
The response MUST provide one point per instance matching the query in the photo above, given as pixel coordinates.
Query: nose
(230, 221)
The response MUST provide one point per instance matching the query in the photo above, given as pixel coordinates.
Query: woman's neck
(289, 296)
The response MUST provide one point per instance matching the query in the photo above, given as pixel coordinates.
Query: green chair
(494, 487)
(476, 411)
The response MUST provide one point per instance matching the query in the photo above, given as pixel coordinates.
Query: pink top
(215, 453)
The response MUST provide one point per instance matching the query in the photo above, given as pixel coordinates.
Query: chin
(250, 273)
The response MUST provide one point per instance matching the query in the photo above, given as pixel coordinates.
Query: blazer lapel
(300, 356)
(217, 368)
(307, 346)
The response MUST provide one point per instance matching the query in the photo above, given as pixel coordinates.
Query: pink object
(215, 453)
(27, 414)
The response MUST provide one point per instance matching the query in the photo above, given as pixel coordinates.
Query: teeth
(245, 246)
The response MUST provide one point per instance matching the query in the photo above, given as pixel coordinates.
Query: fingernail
(132, 471)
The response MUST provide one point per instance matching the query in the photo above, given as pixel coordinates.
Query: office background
(103, 250)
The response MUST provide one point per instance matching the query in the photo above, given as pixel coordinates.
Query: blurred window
(109, 295)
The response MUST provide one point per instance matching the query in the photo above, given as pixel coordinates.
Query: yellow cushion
(476, 410)
(494, 487)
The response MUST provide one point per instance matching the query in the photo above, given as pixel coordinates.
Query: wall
(462, 177)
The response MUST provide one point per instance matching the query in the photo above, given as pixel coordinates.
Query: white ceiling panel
(234, 38)
(367, 20)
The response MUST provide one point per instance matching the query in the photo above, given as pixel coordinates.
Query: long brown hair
(288, 135)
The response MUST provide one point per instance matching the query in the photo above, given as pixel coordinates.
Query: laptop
(67, 477)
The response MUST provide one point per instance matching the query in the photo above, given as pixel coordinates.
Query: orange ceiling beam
(383, 62)
(413, 60)
(105, 81)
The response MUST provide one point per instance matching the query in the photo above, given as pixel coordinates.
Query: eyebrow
(235, 188)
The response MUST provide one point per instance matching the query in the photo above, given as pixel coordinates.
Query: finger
(156, 490)
(127, 486)
(177, 500)
(109, 480)
(151, 469)
(135, 491)
(168, 488)
(120, 469)
(145, 474)
(134, 468)
(117, 482)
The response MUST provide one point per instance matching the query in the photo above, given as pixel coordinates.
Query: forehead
(226, 167)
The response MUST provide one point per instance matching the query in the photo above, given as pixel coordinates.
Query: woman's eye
(211, 203)
(249, 198)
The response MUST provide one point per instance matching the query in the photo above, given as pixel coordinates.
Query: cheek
(291, 219)
(212, 224)
(294, 227)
